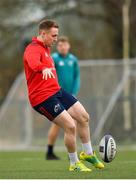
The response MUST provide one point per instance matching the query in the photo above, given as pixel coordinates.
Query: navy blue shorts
(55, 104)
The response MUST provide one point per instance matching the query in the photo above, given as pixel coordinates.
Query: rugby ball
(107, 148)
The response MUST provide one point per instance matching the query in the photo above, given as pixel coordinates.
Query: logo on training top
(57, 108)
(61, 63)
(70, 63)
(46, 55)
(52, 64)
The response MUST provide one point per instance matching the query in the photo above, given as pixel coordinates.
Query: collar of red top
(34, 39)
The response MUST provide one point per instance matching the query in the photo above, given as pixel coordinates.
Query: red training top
(36, 58)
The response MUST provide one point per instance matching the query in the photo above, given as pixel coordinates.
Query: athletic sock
(50, 149)
(73, 158)
(87, 148)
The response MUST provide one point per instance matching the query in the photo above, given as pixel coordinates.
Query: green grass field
(20, 165)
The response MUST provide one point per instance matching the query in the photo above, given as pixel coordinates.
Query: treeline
(93, 26)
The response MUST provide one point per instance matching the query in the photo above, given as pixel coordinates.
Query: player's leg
(78, 112)
(65, 121)
(52, 136)
(54, 110)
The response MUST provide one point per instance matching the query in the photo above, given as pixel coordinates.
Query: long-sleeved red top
(36, 58)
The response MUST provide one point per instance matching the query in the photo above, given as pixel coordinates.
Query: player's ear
(43, 34)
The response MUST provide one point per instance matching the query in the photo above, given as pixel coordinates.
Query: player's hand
(47, 73)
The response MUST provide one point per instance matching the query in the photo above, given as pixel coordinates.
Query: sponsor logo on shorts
(57, 108)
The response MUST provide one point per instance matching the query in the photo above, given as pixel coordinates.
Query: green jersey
(68, 72)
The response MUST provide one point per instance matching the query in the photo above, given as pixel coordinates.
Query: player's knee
(85, 118)
(71, 129)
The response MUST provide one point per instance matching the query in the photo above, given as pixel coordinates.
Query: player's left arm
(76, 84)
(55, 59)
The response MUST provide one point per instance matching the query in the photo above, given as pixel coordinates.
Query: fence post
(126, 104)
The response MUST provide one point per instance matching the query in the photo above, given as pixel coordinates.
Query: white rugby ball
(107, 148)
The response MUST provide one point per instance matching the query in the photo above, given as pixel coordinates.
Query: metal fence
(102, 93)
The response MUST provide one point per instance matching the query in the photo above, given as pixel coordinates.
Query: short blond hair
(63, 39)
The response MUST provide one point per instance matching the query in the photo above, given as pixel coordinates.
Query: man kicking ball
(50, 100)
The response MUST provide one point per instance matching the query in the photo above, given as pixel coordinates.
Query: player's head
(63, 45)
(48, 32)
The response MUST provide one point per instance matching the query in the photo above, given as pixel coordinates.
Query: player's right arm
(33, 59)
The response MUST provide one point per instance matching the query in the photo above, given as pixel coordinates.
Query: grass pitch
(25, 165)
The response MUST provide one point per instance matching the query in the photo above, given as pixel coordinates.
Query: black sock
(50, 149)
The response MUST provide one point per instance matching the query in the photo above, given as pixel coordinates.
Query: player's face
(50, 37)
(63, 48)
